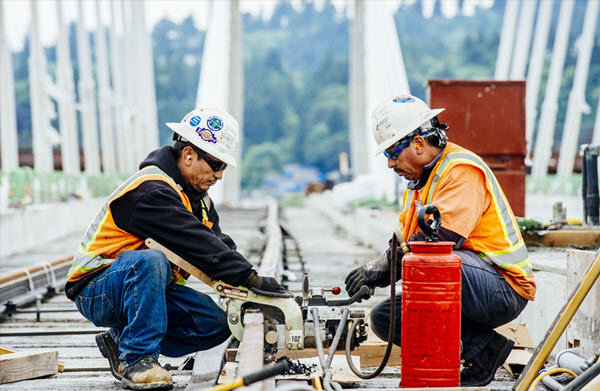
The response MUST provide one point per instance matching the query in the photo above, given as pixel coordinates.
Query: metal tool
(289, 322)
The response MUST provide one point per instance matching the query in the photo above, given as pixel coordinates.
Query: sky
(17, 14)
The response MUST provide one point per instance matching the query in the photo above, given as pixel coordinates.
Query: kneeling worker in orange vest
(497, 279)
(117, 282)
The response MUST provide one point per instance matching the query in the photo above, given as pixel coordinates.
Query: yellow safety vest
(496, 238)
(104, 240)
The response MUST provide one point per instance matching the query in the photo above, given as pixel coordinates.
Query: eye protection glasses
(214, 164)
(395, 150)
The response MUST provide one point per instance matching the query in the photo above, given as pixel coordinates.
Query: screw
(289, 345)
(288, 327)
(233, 318)
(299, 345)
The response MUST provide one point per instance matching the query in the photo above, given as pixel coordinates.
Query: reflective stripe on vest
(516, 254)
(86, 260)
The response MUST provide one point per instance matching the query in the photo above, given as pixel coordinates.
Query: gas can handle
(430, 230)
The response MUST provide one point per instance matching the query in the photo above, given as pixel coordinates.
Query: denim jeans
(487, 301)
(147, 313)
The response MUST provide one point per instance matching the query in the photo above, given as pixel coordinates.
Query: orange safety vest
(104, 240)
(496, 239)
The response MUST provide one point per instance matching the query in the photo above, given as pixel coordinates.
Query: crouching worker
(497, 279)
(117, 282)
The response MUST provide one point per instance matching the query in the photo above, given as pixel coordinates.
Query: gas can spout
(432, 229)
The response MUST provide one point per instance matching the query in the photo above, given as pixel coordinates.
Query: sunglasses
(214, 164)
(395, 150)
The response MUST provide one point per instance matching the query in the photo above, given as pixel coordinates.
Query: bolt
(254, 296)
(220, 288)
(299, 345)
(288, 327)
(289, 345)
(233, 318)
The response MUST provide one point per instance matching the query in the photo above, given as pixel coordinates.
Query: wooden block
(565, 238)
(370, 354)
(518, 333)
(428, 389)
(516, 361)
(27, 365)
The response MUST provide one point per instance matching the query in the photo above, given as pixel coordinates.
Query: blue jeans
(487, 301)
(147, 313)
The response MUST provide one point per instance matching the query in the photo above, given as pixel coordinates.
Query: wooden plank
(428, 389)
(565, 238)
(27, 365)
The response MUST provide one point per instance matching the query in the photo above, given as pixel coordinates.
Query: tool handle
(266, 373)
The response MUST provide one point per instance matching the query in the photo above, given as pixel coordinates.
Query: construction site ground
(328, 252)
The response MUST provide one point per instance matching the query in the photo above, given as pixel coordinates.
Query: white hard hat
(214, 131)
(396, 117)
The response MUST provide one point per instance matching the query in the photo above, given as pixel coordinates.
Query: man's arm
(154, 210)
(213, 216)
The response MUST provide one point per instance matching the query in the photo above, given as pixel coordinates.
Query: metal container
(430, 341)
(488, 118)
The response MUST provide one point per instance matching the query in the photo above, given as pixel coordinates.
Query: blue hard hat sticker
(195, 120)
(215, 123)
(403, 99)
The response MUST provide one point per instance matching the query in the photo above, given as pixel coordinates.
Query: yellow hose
(550, 372)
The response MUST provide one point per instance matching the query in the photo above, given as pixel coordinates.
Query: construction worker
(497, 279)
(117, 282)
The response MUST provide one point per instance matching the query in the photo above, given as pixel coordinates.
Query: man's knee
(380, 320)
(152, 263)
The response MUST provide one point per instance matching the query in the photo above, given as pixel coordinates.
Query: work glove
(266, 286)
(374, 273)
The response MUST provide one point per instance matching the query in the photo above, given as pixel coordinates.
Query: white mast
(104, 98)
(507, 39)
(577, 104)
(519, 60)
(8, 117)
(67, 113)
(87, 97)
(547, 124)
(40, 121)
(358, 148)
(536, 65)
(118, 101)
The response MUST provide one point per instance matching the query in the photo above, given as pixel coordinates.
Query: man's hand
(374, 273)
(266, 286)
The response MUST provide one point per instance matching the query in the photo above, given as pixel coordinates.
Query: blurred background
(285, 68)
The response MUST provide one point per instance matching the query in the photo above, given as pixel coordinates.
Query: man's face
(200, 176)
(407, 164)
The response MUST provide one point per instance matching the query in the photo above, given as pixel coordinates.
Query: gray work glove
(374, 273)
(266, 286)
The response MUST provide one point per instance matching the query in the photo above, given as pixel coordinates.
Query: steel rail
(24, 286)
(251, 349)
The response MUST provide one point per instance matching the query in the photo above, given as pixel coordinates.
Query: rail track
(284, 247)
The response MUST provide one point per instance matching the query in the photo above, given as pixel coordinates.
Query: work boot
(480, 370)
(110, 349)
(146, 374)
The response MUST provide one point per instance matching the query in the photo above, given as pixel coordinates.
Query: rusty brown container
(488, 118)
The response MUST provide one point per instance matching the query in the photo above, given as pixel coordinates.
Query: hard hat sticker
(195, 120)
(215, 123)
(403, 99)
(206, 135)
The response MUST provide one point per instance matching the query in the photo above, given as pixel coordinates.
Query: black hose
(392, 329)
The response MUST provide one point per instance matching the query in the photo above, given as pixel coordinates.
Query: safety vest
(104, 240)
(496, 238)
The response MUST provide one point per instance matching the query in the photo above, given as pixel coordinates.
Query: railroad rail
(268, 241)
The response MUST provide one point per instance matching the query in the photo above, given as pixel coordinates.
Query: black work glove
(266, 286)
(374, 273)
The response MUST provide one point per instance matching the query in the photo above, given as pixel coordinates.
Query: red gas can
(430, 338)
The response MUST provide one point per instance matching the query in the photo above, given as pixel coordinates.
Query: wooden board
(565, 238)
(27, 365)
(518, 333)
(428, 389)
